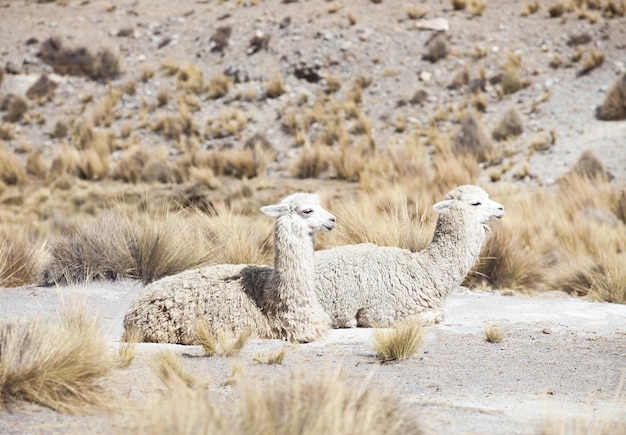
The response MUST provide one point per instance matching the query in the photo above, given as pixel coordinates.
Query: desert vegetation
(136, 146)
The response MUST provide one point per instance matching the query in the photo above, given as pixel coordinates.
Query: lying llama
(272, 303)
(369, 285)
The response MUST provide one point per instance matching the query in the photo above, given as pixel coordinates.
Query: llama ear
(275, 210)
(443, 206)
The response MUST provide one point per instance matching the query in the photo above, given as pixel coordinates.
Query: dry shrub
(275, 87)
(247, 162)
(511, 80)
(323, 404)
(7, 131)
(459, 4)
(590, 167)
(173, 126)
(510, 125)
(473, 139)
(437, 47)
(312, 161)
(530, 7)
(11, 169)
(218, 86)
(113, 246)
(477, 7)
(222, 343)
(190, 78)
(16, 108)
(169, 369)
(273, 358)
(591, 61)
(36, 165)
(20, 256)
(614, 106)
(228, 123)
(236, 238)
(42, 89)
(386, 219)
(54, 365)
(184, 411)
(350, 161)
(507, 261)
(493, 334)
(79, 61)
(399, 342)
(557, 9)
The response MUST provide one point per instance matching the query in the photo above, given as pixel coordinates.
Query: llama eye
(307, 211)
(475, 203)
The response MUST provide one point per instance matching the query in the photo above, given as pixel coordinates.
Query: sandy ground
(561, 359)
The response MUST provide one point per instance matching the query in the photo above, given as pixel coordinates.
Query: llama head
(305, 209)
(473, 198)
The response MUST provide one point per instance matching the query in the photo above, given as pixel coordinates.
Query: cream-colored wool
(369, 285)
(277, 302)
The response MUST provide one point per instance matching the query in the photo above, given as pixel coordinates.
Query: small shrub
(20, 255)
(11, 169)
(591, 61)
(169, 369)
(271, 359)
(218, 86)
(613, 108)
(591, 168)
(459, 5)
(312, 162)
(42, 89)
(275, 87)
(510, 125)
(473, 139)
(493, 334)
(16, 109)
(222, 343)
(400, 342)
(437, 47)
(54, 365)
(557, 9)
(190, 77)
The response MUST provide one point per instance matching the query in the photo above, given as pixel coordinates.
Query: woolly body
(369, 285)
(277, 302)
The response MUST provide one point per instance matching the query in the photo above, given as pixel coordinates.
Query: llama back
(168, 310)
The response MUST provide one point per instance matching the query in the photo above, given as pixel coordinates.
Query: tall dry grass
(115, 245)
(54, 364)
(20, 257)
(319, 404)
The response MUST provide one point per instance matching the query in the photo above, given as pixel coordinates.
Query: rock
(436, 24)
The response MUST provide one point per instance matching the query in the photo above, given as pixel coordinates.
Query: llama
(368, 285)
(277, 302)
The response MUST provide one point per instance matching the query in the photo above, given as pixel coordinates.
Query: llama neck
(293, 262)
(454, 249)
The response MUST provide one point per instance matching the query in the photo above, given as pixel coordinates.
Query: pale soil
(561, 359)
(457, 383)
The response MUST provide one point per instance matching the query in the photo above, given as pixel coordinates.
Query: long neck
(293, 260)
(454, 249)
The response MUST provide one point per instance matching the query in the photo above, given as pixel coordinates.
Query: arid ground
(300, 77)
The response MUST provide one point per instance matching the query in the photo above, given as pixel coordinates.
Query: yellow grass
(220, 343)
(169, 369)
(398, 342)
(493, 334)
(54, 364)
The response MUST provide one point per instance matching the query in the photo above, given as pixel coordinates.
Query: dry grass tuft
(493, 334)
(114, 246)
(169, 369)
(459, 5)
(79, 61)
(437, 47)
(323, 404)
(218, 86)
(16, 108)
(275, 87)
(530, 7)
(399, 342)
(11, 168)
(271, 359)
(221, 343)
(127, 349)
(20, 257)
(511, 80)
(473, 139)
(54, 365)
(614, 106)
(592, 60)
(510, 125)
(590, 167)
(190, 78)
(42, 90)
(312, 162)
